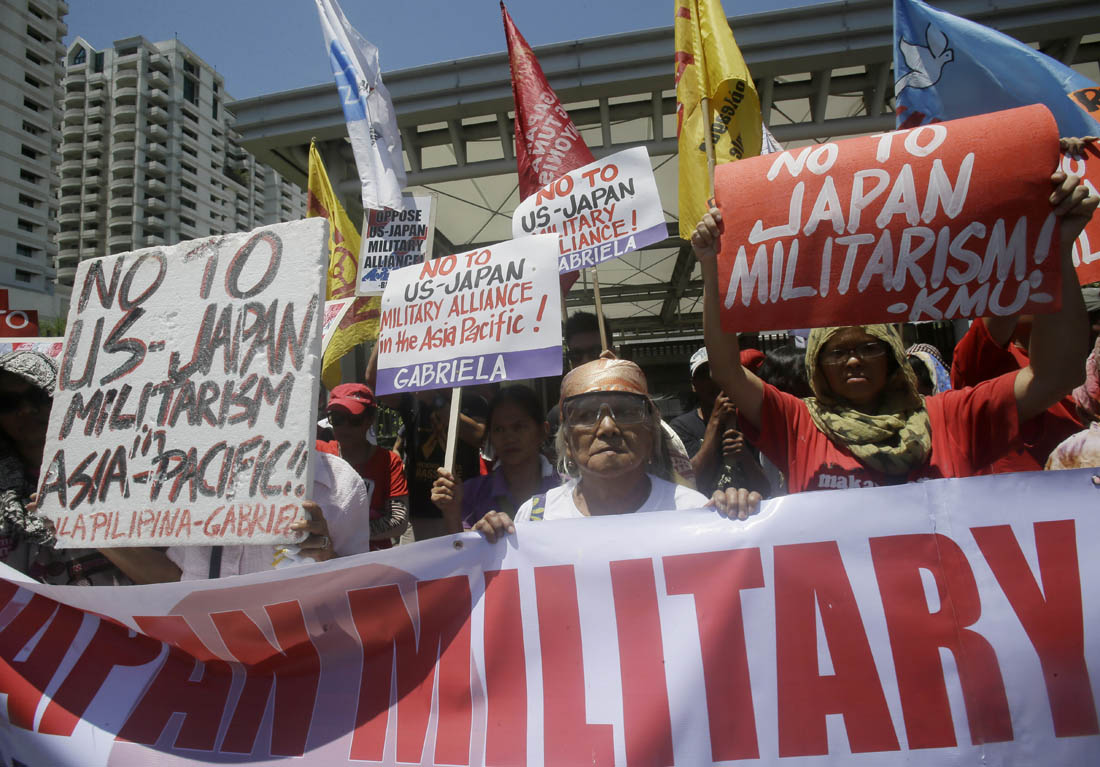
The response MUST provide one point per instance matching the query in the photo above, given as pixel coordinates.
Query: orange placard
(943, 221)
(1086, 249)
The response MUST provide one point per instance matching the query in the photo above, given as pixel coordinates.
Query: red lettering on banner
(24, 681)
(112, 645)
(385, 628)
(1052, 618)
(505, 671)
(293, 668)
(568, 738)
(809, 576)
(716, 579)
(647, 725)
(201, 700)
(917, 634)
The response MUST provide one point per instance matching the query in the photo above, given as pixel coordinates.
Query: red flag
(548, 144)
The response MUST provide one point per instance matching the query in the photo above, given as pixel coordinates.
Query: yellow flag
(361, 322)
(708, 63)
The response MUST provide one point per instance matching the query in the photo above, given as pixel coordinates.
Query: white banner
(188, 391)
(484, 316)
(951, 622)
(394, 239)
(600, 211)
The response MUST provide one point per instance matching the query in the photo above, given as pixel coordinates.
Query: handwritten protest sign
(934, 223)
(186, 398)
(334, 314)
(393, 239)
(1086, 248)
(601, 211)
(492, 314)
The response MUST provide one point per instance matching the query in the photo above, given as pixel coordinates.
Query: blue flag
(947, 67)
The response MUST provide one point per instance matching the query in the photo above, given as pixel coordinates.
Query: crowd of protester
(845, 407)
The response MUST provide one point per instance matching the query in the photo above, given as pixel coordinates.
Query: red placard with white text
(1086, 249)
(943, 221)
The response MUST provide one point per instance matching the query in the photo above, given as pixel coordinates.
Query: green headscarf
(897, 437)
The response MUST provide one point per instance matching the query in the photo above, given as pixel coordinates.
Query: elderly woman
(611, 445)
(866, 423)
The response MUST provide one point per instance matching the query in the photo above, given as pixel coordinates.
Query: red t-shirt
(979, 358)
(384, 476)
(970, 428)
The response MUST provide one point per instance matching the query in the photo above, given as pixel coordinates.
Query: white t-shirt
(337, 489)
(663, 496)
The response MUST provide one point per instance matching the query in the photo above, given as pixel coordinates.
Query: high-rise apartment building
(31, 56)
(150, 156)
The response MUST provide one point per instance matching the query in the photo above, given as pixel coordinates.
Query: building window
(188, 203)
(33, 129)
(189, 115)
(188, 186)
(25, 225)
(190, 67)
(27, 151)
(33, 58)
(188, 168)
(26, 251)
(32, 105)
(34, 34)
(22, 275)
(184, 221)
(191, 90)
(34, 82)
(214, 108)
(190, 150)
(127, 51)
(26, 199)
(30, 178)
(36, 12)
(98, 61)
(189, 133)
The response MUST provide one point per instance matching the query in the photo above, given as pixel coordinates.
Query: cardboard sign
(601, 211)
(488, 315)
(394, 239)
(186, 399)
(1086, 248)
(939, 222)
(334, 315)
(946, 623)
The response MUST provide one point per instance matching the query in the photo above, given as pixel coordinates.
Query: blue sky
(263, 46)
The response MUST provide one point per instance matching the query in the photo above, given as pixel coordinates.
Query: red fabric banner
(548, 144)
(934, 223)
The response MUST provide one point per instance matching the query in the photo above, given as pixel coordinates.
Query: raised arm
(1059, 341)
(723, 349)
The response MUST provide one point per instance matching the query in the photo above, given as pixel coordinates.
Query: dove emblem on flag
(925, 62)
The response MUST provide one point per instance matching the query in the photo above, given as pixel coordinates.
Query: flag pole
(708, 136)
(599, 309)
(452, 430)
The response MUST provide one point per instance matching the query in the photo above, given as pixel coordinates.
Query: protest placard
(1086, 248)
(334, 314)
(933, 223)
(17, 323)
(187, 392)
(950, 622)
(601, 210)
(488, 315)
(49, 346)
(394, 239)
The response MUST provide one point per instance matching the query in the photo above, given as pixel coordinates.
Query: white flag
(372, 125)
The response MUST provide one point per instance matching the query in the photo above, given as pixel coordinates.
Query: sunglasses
(342, 419)
(585, 411)
(871, 350)
(36, 398)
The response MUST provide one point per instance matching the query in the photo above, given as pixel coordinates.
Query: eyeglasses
(870, 350)
(585, 411)
(342, 419)
(35, 397)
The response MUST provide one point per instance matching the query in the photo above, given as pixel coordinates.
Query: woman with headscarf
(927, 364)
(1082, 450)
(866, 423)
(612, 448)
(27, 382)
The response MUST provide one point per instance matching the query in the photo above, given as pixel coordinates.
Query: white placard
(488, 315)
(601, 211)
(394, 239)
(186, 399)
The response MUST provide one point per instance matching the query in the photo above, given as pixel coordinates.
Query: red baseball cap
(355, 398)
(752, 359)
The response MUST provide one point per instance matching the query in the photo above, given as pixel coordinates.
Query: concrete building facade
(150, 155)
(31, 58)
